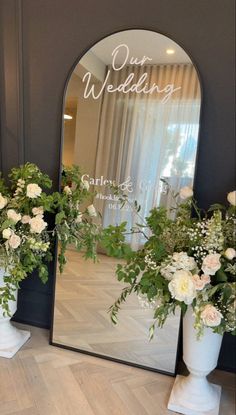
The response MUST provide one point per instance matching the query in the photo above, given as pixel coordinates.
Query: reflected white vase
(11, 338)
(193, 394)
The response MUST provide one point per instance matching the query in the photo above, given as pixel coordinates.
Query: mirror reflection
(131, 119)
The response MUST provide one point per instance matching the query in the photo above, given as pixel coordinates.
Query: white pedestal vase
(193, 394)
(11, 338)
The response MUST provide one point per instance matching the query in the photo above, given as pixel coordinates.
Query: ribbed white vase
(193, 394)
(11, 338)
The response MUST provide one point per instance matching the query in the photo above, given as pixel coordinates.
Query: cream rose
(230, 253)
(25, 219)
(211, 264)
(37, 224)
(186, 192)
(231, 197)
(38, 211)
(13, 215)
(91, 210)
(6, 233)
(182, 287)
(211, 316)
(84, 184)
(67, 190)
(200, 281)
(14, 241)
(3, 201)
(33, 190)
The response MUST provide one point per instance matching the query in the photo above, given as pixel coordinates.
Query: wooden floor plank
(46, 380)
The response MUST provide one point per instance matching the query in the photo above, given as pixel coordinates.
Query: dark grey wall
(39, 42)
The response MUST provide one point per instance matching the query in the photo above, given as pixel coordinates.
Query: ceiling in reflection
(154, 46)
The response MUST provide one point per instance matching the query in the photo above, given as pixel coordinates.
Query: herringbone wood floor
(84, 292)
(45, 380)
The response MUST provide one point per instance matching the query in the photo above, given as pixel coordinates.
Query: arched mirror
(131, 117)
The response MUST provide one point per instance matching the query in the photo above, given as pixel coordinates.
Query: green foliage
(113, 240)
(3, 187)
(158, 220)
(31, 174)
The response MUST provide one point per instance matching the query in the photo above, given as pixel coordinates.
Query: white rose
(211, 316)
(33, 190)
(182, 287)
(168, 272)
(79, 218)
(91, 210)
(3, 201)
(67, 190)
(200, 281)
(25, 219)
(211, 264)
(186, 192)
(231, 197)
(13, 215)
(14, 241)
(38, 211)
(183, 261)
(230, 253)
(37, 224)
(84, 184)
(6, 233)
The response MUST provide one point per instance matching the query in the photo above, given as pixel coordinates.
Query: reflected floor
(84, 292)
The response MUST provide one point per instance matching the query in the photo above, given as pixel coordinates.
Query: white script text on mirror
(141, 86)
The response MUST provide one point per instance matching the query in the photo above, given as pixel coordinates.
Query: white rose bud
(6, 233)
(25, 219)
(3, 201)
(186, 192)
(231, 197)
(91, 210)
(230, 253)
(67, 190)
(84, 184)
(33, 190)
(37, 224)
(13, 215)
(20, 183)
(211, 264)
(14, 241)
(210, 316)
(38, 211)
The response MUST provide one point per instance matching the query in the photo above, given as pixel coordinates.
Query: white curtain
(142, 139)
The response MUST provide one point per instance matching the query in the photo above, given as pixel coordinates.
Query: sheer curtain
(142, 139)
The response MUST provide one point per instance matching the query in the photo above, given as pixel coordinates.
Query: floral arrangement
(186, 261)
(26, 237)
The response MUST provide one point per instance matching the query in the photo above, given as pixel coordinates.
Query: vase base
(11, 351)
(175, 405)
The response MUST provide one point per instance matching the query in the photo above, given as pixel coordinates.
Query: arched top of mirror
(134, 98)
